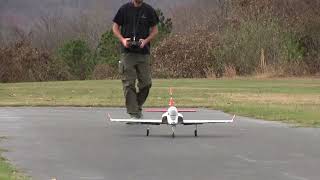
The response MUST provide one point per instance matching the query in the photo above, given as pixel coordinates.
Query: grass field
(294, 101)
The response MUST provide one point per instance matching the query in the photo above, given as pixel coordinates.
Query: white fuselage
(172, 116)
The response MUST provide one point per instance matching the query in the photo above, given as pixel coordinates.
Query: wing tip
(233, 118)
(109, 117)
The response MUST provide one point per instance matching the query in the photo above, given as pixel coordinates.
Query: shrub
(165, 27)
(184, 56)
(77, 55)
(104, 71)
(310, 42)
(108, 50)
(21, 62)
(241, 47)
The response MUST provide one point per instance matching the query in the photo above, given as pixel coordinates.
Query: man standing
(135, 25)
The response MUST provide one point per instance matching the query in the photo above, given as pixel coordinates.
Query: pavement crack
(246, 159)
(291, 176)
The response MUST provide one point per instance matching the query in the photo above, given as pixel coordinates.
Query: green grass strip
(289, 100)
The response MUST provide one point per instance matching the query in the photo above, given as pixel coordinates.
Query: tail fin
(171, 101)
(170, 91)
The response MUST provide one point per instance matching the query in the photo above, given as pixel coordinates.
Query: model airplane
(172, 117)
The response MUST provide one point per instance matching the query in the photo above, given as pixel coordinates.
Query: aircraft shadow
(182, 136)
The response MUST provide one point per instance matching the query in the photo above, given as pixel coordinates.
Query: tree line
(207, 38)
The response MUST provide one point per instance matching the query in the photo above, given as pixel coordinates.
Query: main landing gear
(173, 128)
(196, 131)
(148, 131)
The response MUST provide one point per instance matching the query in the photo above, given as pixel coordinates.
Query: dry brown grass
(184, 56)
(230, 71)
(279, 98)
(104, 71)
(21, 62)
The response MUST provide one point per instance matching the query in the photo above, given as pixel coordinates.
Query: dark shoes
(138, 115)
(135, 117)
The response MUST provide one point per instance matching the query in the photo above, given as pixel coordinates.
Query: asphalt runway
(79, 143)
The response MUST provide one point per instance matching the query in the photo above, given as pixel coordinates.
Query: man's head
(137, 2)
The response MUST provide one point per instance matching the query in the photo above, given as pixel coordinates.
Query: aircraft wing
(209, 121)
(143, 121)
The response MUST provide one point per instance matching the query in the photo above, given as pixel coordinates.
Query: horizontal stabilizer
(208, 121)
(165, 110)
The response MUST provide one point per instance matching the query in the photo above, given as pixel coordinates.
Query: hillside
(24, 12)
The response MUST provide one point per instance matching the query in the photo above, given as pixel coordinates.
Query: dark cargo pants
(134, 67)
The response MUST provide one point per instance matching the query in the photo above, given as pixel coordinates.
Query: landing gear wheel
(196, 133)
(148, 132)
(173, 129)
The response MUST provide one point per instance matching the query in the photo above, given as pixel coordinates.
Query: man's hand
(153, 33)
(143, 43)
(117, 33)
(125, 43)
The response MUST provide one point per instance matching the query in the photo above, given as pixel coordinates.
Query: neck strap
(136, 21)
